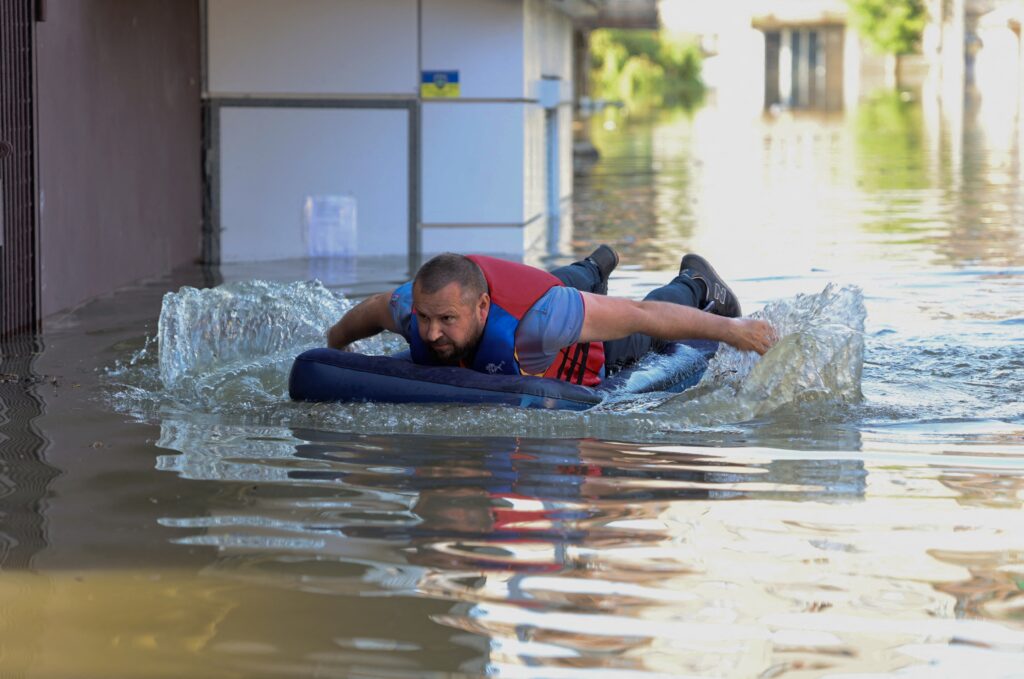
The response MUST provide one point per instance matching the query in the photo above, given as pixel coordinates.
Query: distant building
(802, 54)
(144, 134)
(995, 53)
(803, 58)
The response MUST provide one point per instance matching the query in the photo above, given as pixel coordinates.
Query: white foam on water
(819, 358)
(234, 344)
(228, 350)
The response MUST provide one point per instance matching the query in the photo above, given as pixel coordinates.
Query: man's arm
(609, 318)
(366, 319)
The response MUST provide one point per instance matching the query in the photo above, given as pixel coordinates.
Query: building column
(803, 69)
(581, 61)
(851, 67)
(786, 67)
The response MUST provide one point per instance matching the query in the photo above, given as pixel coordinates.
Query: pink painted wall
(119, 144)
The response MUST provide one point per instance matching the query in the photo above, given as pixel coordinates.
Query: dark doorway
(813, 63)
(772, 45)
(19, 308)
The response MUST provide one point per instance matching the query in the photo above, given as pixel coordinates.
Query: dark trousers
(621, 353)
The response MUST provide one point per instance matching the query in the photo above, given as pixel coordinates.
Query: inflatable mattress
(329, 375)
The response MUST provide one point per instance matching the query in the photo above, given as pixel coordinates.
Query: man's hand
(749, 334)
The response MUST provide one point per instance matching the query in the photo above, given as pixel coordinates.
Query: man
(501, 317)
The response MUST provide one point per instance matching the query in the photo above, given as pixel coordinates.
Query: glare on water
(847, 505)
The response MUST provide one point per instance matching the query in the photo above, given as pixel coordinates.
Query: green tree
(645, 67)
(890, 27)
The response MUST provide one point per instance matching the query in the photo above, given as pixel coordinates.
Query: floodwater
(849, 505)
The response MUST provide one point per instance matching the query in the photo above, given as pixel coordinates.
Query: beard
(447, 352)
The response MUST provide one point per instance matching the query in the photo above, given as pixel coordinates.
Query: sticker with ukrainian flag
(443, 84)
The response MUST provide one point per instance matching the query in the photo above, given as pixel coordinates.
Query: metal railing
(19, 298)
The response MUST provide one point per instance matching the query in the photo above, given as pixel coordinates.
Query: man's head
(450, 300)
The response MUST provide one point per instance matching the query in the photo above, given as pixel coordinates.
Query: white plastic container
(329, 226)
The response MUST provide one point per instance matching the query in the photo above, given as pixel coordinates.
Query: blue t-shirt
(552, 323)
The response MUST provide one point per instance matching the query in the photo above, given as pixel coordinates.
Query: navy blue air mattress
(328, 375)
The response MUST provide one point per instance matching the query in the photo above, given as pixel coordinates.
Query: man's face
(450, 321)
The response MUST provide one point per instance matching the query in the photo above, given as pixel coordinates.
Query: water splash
(820, 357)
(227, 351)
(235, 342)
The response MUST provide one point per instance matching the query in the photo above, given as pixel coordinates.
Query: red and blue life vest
(514, 289)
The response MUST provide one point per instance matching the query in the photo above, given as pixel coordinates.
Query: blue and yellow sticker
(443, 84)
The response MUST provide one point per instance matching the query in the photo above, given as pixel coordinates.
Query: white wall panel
(472, 160)
(313, 46)
(535, 195)
(548, 39)
(560, 48)
(272, 158)
(565, 150)
(535, 236)
(548, 54)
(481, 39)
(531, 36)
(474, 239)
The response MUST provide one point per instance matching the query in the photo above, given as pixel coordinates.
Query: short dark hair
(445, 269)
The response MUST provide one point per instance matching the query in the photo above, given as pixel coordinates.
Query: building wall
(317, 65)
(472, 163)
(482, 39)
(473, 172)
(548, 57)
(311, 47)
(493, 143)
(481, 157)
(273, 158)
(549, 82)
(119, 159)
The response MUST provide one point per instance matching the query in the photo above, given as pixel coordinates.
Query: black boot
(718, 297)
(605, 259)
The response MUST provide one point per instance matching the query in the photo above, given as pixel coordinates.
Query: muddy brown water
(149, 536)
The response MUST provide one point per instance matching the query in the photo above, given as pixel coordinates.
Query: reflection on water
(24, 473)
(577, 555)
(344, 555)
(847, 506)
(896, 183)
